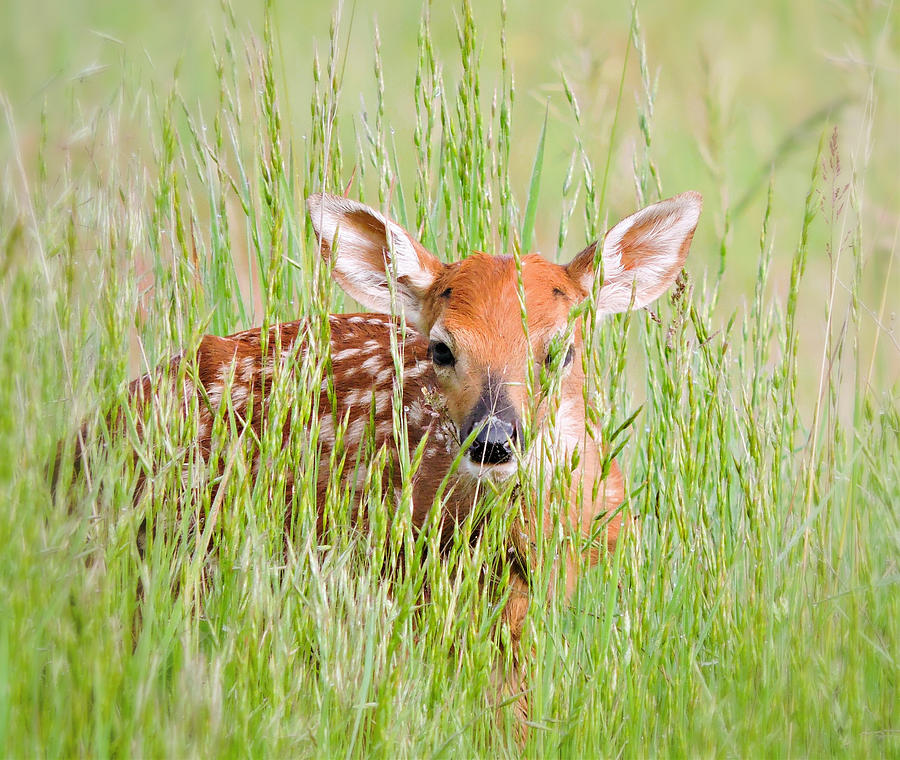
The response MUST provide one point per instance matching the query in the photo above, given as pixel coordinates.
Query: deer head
(469, 310)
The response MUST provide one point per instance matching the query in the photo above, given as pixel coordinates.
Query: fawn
(470, 345)
(466, 345)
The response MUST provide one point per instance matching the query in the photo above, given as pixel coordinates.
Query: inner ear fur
(366, 248)
(642, 255)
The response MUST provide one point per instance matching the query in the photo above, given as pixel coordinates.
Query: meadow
(155, 164)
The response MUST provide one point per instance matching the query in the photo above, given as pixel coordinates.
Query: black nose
(493, 443)
(496, 422)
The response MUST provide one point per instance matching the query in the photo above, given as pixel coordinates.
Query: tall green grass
(752, 609)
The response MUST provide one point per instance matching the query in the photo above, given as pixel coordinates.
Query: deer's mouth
(497, 473)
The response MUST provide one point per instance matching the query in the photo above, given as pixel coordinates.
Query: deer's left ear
(642, 255)
(369, 251)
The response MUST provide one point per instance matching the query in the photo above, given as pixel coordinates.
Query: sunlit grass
(752, 609)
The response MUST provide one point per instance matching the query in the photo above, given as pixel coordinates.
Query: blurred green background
(743, 93)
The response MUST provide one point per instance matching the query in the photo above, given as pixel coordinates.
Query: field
(155, 163)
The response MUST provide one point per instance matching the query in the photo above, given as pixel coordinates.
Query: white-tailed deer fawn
(467, 346)
(471, 348)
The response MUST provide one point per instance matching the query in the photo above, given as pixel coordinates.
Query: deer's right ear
(367, 249)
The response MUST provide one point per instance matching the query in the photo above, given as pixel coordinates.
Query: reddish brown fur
(483, 315)
(223, 362)
(471, 313)
(473, 306)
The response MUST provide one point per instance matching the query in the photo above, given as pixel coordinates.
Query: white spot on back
(355, 431)
(326, 429)
(239, 394)
(416, 370)
(372, 345)
(248, 367)
(344, 354)
(215, 395)
(372, 364)
(385, 375)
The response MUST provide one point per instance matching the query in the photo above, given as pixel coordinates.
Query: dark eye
(552, 354)
(441, 354)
